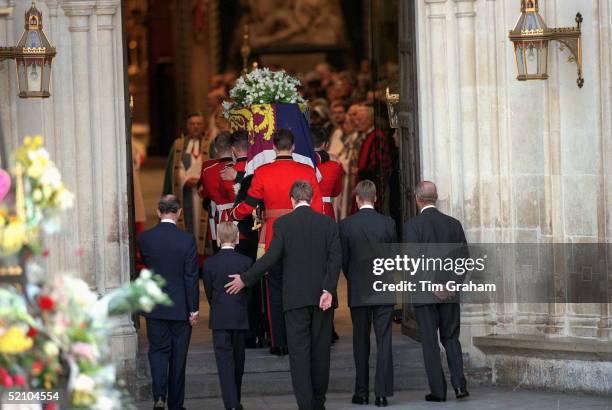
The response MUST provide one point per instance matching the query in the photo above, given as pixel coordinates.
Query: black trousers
(308, 336)
(445, 318)
(168, 346)
(276, 317)
(229, 354)
(362, 318)
(255, 295)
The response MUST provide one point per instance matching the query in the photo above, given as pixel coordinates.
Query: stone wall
(84, 125)
(518, 161)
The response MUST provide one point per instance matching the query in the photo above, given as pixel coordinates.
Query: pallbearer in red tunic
(272, 182)
(332, 172)
(213, 188)
(270, 186)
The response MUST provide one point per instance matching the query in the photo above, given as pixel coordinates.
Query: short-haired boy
(228, 313)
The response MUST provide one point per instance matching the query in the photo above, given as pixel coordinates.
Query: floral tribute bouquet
(40, 194)
(264, 86)
(55, 335)
(262, 102)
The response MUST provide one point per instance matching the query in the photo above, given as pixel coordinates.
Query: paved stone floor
(482, 399)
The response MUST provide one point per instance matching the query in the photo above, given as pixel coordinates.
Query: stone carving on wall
(299, 22)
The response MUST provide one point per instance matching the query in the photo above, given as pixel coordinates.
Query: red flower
(51, 406)
(19, 380)
(45, 302)
(7, 381)
(46, 253)
(32, 332)
(37, 367)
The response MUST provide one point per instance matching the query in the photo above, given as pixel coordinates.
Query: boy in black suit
(229, 318)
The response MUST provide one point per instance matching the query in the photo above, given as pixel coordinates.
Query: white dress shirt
(427, 207)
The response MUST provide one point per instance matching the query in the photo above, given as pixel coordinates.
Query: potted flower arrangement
(54, 331)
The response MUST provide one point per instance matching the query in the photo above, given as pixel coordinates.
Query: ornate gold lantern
(531, 39)
(33, 56)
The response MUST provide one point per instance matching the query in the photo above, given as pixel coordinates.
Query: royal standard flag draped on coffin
(261, 120)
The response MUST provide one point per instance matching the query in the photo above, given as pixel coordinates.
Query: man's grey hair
(427, 192)
(168, 204)
(301, 191)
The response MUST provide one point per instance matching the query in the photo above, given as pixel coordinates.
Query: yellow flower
(38, 141)
(15, 341)
(13, 235)
(39, 161)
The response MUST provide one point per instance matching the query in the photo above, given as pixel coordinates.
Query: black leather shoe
(431, 397)
(279, 351)
(360, 399)
(236, 408)
(160, 404)
(381, 402)
(462, 393)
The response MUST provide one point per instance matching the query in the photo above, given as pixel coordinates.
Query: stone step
(270, 375)
(279, 383)
(202, 361)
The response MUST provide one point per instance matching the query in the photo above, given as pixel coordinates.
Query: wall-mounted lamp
(393, 108)
(531, 37)
(33, 56)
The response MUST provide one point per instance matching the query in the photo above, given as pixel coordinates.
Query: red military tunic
(271, 184)
(240, 167)
(215, 189)
(331, 184)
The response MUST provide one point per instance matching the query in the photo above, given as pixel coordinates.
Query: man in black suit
(360, 234)
(171, 253)
(442, 314)
(307, 243)
(229, 318)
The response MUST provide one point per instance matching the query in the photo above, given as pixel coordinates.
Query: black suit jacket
(433, 227)
(226, 311)
(360, 235)
(307, 243)
(172, 254)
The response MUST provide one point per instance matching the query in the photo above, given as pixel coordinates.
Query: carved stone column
(8, 83)
(111, 184)
(474, 317)
(99, 147)
(437, 141)
(78, 150)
